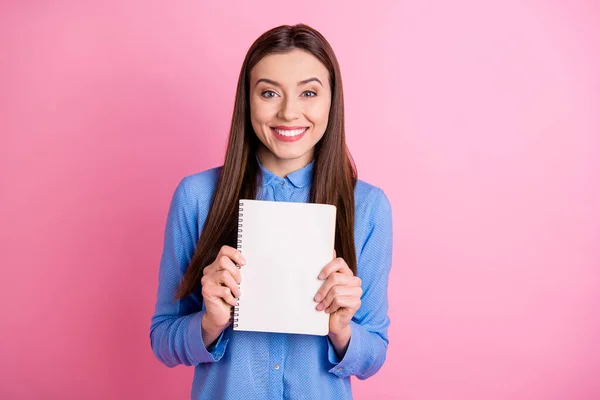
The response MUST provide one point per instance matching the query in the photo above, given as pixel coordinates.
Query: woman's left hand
(339, 295)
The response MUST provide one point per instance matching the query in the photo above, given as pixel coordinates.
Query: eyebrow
(274, 83)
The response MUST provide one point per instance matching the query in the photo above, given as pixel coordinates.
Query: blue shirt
(262, 365)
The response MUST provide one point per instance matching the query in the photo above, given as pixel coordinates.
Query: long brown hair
(334, 172)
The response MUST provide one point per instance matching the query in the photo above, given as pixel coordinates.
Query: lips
(289, 133)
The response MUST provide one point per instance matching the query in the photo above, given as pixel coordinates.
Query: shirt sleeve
(175, 332)
(367, 348)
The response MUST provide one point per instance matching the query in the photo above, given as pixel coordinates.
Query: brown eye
(310, 93)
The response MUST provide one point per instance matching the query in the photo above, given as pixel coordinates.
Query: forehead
(289, 68)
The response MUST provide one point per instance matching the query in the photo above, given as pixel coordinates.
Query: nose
(290, 109)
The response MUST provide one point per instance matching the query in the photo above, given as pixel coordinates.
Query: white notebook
(286, 245)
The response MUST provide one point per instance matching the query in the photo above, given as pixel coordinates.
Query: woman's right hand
(219, 290)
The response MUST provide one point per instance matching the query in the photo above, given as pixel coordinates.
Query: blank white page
(286, 245)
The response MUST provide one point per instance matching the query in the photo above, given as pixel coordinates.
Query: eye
(268, 94)
(310, 93)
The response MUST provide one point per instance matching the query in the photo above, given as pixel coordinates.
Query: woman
(286, 143)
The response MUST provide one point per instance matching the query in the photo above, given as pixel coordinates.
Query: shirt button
(276, 366)
(282, 183)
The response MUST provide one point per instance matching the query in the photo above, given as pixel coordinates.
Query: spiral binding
(235, 313)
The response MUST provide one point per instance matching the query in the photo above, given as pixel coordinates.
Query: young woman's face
(290, 99)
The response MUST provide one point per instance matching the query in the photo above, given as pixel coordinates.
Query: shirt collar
(299, 178)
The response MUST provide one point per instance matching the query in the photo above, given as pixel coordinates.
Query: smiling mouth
(289, 132)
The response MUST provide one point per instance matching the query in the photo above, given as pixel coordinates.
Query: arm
(176, 332)
(367, 346)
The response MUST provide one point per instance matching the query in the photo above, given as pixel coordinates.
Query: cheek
(258, 118)
(260, 112)
(318, 113)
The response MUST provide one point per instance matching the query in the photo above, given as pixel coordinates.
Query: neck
(281, 166)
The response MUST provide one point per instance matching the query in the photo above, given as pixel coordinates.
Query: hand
(220, 288)
(339, 295)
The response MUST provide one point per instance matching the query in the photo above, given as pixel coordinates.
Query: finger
(226, 253)
(336, 265)
(225, 278)
(234, 254)
(225, 263)
(225, 293)
(339, 291)
(349, 302)
(214, 292)
(334, 280)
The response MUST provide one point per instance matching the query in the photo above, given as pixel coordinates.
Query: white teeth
(293, 132)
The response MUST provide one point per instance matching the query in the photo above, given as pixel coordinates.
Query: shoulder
(203, 182)
(196, 190)
(371, 203)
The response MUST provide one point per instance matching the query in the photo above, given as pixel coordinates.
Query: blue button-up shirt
(261, 365)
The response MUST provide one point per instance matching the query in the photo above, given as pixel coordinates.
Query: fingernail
(319, 306)
(327, 310)
(321, 275)
(318, 297)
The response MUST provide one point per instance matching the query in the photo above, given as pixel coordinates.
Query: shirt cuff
(346, 366)
(198, 351)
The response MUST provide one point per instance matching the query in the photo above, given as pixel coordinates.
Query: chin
(288, 155)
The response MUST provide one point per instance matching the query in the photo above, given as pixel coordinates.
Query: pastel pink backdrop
(480, 120)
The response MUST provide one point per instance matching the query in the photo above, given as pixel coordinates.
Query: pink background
(481, 123)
